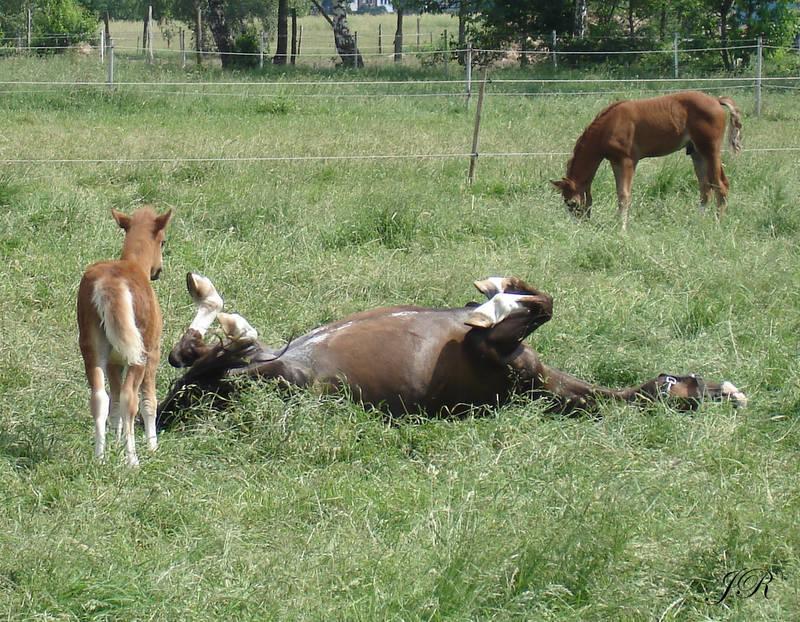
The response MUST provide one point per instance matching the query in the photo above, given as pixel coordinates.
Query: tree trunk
(219, 30)
(294, 36)
(198, 33)
(580, 15)
(398, 37)
(462, 35)
(631, 27)
(283, 21)
(344, 41)
(724, 8)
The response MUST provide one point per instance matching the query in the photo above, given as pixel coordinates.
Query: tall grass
(293, 506)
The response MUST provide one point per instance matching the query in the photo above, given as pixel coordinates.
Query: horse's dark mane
(580, 143)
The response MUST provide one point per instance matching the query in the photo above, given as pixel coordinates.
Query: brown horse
(119, 325)
(627, 131)
(406, 359)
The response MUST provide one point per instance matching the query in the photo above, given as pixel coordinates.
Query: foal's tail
(114, 304)
(734, 124)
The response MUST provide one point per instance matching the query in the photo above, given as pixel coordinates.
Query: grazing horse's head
(144, 237)
(577, 200)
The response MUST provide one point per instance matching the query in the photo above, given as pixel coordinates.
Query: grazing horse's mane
(589, 131)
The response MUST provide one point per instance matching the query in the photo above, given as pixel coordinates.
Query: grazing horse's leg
(715, 177)
(722, 192)
(700, 171)
(623, 176)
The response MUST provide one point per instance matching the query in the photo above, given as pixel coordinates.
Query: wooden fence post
(473, 158)
(555, 58)
(468, 67)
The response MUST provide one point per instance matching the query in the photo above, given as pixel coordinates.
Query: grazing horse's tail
(734, 124)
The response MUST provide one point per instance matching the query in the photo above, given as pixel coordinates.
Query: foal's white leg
(148, 409)
(208, 302)
(115, 383)
(149, 402)
(129, 405)
(99, 404)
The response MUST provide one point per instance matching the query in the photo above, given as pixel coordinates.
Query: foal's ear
(163, 220)
(558, 183)
(123, 220)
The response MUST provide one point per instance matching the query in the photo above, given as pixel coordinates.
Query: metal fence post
(555, 58)
(758, 77)
(110, 64)
(675, 54)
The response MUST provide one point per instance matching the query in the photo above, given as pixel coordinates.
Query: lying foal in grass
(406, 359)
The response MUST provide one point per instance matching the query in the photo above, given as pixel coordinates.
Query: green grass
(291, 506)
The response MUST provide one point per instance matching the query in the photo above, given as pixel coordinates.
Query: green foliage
(62, 23)
(247, 45)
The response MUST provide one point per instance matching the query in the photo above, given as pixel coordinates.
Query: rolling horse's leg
(683, 392)
(518, 309)
(208, 303)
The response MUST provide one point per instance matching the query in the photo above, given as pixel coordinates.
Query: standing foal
(119, 326)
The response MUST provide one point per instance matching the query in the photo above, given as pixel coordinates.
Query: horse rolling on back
(627, 131)
(119, 327)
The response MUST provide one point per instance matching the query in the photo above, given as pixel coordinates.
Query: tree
(345, 42)
(496, 24)
(283, 33)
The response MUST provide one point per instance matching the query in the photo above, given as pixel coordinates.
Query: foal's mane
(589, 132)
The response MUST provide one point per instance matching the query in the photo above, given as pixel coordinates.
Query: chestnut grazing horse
(408, 359)
(627, 131)
(119, 327)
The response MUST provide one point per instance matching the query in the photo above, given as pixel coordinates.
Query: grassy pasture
(301, 507)
(421, 34)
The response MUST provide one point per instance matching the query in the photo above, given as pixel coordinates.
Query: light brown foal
(627, 131)
(119, 326)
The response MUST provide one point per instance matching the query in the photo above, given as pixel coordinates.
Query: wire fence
(460, 87)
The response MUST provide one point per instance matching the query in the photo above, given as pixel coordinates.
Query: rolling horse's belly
(405, 359)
